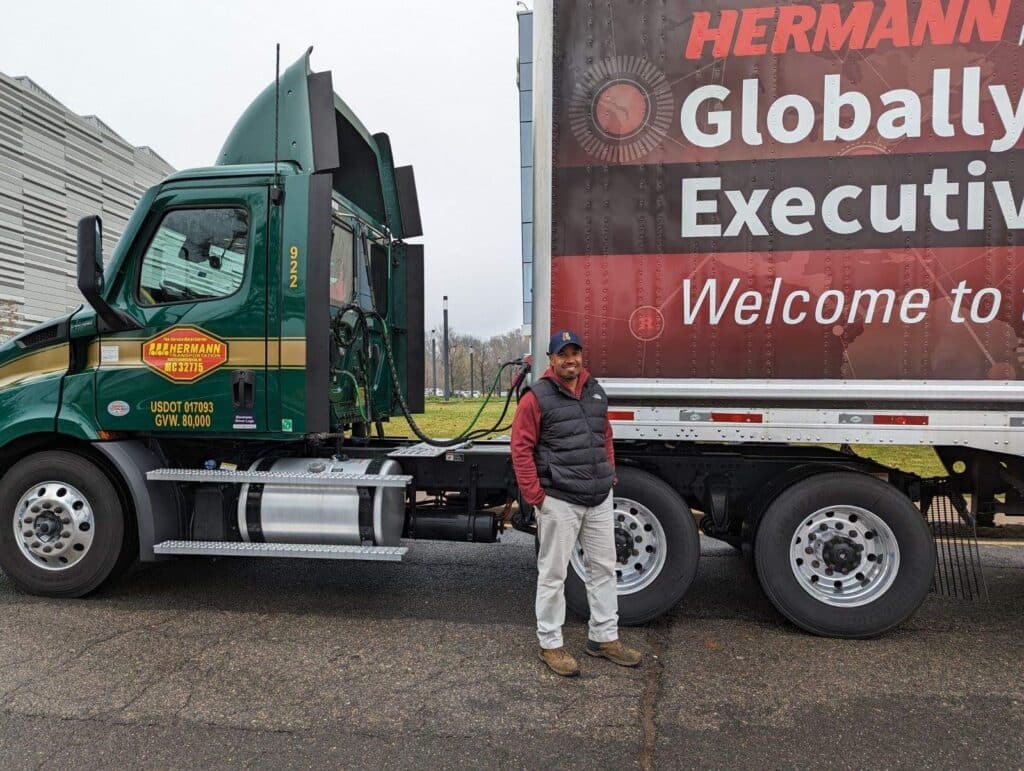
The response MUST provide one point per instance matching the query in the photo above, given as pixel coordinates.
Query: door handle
(243, 389)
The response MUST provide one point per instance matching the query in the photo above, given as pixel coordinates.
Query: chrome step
(277, 478)
(282, 550)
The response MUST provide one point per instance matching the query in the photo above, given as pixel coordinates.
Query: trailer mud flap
(958, 570)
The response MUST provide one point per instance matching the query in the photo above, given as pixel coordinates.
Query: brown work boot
(614, 651)
(560, 661)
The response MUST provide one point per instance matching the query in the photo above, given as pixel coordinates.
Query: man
(565, 466)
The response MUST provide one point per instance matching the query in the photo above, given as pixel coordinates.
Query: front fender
(29, 408)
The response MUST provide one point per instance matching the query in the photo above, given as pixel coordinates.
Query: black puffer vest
(570, 455)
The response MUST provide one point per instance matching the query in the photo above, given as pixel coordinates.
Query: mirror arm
(90, 278)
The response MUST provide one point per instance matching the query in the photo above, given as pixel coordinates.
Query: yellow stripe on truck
(243, 352)
(37, 364)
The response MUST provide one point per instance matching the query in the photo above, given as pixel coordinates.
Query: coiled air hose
(346, 336)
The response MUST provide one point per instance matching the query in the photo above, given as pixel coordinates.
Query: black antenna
(276, 193)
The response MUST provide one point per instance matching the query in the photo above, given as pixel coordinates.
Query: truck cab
(214, 312)
(249, 305)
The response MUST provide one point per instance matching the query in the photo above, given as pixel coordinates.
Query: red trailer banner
(810, 190)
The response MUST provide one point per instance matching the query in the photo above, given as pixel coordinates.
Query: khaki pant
(559, 524)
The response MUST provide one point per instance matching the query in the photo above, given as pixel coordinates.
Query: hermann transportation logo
(184, 354)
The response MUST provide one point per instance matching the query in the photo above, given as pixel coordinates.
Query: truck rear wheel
(62, 525)
(844, 555)
(658, 547)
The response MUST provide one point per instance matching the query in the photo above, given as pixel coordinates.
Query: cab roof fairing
(319, 133)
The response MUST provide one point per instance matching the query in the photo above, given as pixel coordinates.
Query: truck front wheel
(62, 525)
(657, 549)
(844, 555)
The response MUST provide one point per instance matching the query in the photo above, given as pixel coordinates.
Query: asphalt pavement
(433, 663)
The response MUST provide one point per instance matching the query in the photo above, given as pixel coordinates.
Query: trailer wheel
(844, 555)
(62, 525)
(658, 547)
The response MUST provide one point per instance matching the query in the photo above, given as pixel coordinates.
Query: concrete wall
(56, 167)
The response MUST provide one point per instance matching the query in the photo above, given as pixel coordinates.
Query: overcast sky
(439, 78)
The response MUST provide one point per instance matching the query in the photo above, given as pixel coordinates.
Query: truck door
(197, 280)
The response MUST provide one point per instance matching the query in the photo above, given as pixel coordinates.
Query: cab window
(342, 259)
(196, 254)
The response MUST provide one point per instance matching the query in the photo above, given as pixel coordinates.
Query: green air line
(467, 434)
(355, 393)
(479, 412)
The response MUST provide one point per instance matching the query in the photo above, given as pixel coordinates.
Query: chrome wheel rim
(640, 547)
(54, 525)
(844, 556)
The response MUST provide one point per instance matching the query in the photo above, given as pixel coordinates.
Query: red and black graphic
(828, 190)
(621, 109)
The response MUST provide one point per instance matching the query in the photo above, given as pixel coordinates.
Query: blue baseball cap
(563, 338)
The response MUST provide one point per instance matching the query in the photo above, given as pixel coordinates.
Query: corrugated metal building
(56, 167)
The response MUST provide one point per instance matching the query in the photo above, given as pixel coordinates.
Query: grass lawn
(446, 419)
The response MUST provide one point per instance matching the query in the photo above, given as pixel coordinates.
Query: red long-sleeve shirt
(526, 433)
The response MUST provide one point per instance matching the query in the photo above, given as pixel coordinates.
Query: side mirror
(90, 257)
(90, 275)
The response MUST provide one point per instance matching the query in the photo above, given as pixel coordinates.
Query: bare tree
(488, 356)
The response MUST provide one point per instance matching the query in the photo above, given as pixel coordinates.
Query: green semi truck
(212, 342)
(223, 391)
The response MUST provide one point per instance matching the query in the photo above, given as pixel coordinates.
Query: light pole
(433, 355)
(447, 361)
(471, 393)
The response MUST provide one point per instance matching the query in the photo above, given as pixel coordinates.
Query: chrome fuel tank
(343, 515)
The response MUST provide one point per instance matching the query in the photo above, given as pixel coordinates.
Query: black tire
(682, 542)
(108, 549)
(781, 523)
